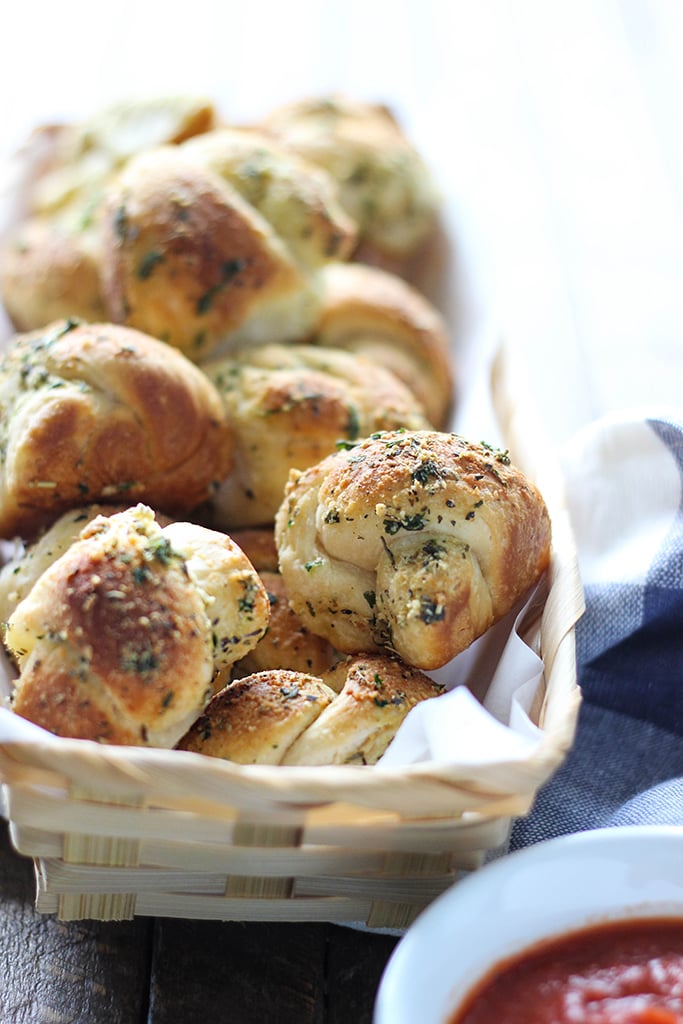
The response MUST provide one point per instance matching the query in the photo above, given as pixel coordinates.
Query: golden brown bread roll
(378, 315)
(287, 407)
(96, 412)
(191, 256)
(294, 718)
(256, 719)
(286, 644)
(384, 184)
(120, 638)
(238, 605)
(415, 541)
(77, 159)
(50, 261)
(29, 562)
(295, 197)
(49, 269)
(374, 695)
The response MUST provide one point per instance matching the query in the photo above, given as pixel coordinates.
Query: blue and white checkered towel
(625, 484)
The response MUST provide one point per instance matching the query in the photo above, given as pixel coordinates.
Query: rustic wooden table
(172, 971)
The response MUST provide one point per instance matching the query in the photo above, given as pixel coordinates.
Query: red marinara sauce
(628, 972)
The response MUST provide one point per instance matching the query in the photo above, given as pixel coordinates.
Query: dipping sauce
(627, 972)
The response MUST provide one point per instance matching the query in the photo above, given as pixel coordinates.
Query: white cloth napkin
(624, 478)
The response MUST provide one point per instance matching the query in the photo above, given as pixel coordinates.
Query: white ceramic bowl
(536, 893)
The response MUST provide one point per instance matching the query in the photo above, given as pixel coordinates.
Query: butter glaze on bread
(49, 269)
(50, 262)
(96, 412)
(256, 719)
(29, 562)
(119, 640)
(281, 717)
(384, 184)
(190, 258)
(412, 541)
(237, 603)
(287, 407)
(374, 695)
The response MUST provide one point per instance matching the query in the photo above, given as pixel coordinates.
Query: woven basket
(117, 832)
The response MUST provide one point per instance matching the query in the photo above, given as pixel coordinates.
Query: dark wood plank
(146, 972)
(77, 973)
(242, 972)
(355, 962)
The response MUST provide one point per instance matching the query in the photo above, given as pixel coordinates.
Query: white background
(555, 130)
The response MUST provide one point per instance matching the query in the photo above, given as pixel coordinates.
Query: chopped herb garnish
(246, 602)
(353, 426)
(426, 472)
(121, 222)
(502, 456)
(414, 522)
(289, 692)
(431, 611)
(159, 548)
(148, 263)
(139, 661)
(229, 271)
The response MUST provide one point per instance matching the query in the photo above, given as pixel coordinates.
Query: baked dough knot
(372, 313)
(416, 541)
(124, 636)
(102, 412)
(218, 241)
(50, 260)
(348, 715)
(384, 184)
(286, 406)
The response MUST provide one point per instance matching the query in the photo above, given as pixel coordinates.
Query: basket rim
(169, 773)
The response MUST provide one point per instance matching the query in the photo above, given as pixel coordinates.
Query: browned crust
(48, 272)
(61, 703)
(369, 311)
(288, 406)
(285, 717)
(420, 541)
(118, 643)
(297, 199)
(184, 257)
(256, 719)
(97, 411)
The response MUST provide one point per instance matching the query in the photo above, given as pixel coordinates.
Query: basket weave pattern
(118, 832)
